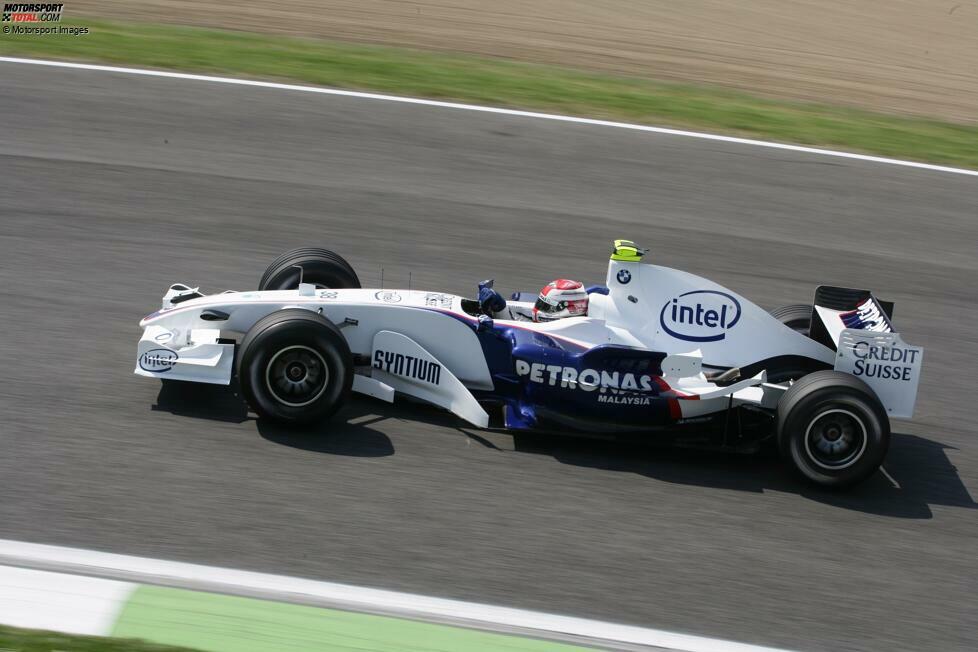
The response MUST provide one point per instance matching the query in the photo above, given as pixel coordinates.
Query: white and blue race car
(661, 353)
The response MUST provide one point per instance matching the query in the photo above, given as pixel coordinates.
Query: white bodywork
(694, 321)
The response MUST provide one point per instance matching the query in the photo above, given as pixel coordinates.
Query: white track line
(290, 589)
(490, 109)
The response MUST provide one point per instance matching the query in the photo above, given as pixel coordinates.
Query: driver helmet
(559, 299)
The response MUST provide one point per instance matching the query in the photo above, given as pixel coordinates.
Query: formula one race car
(655, 352)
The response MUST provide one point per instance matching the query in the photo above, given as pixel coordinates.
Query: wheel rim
(835, 439)
(297, 376)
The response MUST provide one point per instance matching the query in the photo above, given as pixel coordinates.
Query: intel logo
(700, 316)
(158, 360)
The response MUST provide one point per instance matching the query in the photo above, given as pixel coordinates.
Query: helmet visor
(576, 307)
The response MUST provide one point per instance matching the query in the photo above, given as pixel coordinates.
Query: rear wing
(838, 308)
(859, 327)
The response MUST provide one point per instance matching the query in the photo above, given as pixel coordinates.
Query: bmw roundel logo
(624, 276)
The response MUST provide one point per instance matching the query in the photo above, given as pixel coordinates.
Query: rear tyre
(832, 429)
(321, 267)
(797, 316)
(295, 367)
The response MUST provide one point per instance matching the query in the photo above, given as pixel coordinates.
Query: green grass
(32, 640)
(224, 623)
(508, 84)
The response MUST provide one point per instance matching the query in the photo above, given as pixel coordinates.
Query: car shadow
(201, 401)
(347, 433)
(916, 475)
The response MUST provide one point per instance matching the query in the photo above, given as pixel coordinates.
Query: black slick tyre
(295, 367)
(797, 316)
(832, 429)
(321, 267)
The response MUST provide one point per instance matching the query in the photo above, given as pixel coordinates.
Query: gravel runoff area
(912, 57)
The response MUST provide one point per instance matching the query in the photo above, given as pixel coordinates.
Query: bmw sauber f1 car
(659, 353)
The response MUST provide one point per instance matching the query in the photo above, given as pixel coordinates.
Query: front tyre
(321, 267)
(833, 429)
(295, 367)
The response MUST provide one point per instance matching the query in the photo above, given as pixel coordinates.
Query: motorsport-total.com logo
(31, 12)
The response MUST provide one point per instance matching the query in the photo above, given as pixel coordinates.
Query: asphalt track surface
(115, 186)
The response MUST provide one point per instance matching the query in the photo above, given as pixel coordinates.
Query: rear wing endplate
(858, 326)
(886, 363)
